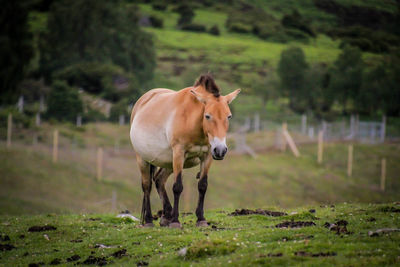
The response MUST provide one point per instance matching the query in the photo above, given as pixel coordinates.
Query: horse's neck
(192, 113)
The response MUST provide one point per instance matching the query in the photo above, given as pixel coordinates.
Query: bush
(63, 103)
(240, 28)
(159, 6)
(106, 80)
(120, 108)
(193, 27)
(93, 115)
(214, 30)
(156, 22)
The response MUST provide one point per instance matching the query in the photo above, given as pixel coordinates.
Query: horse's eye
(208, 116)
(229, 117)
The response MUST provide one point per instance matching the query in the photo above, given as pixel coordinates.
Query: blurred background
(317, 122)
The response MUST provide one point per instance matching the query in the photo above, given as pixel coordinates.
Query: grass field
(336, 235)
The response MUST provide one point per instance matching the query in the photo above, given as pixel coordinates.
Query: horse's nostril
(215, 151)
(225, 150)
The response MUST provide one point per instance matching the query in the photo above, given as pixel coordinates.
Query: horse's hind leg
(146, 171)
(160, 179)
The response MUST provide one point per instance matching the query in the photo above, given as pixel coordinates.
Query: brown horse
(175, 130)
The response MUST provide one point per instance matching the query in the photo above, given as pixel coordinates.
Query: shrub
(63, 103)
(107, 80)
(156, 22)
(120, 108)
(193, 27)
(159, 6)
(214, 30)
(240, 28)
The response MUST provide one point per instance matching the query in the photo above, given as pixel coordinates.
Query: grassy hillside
(182, 55)
(325, 235)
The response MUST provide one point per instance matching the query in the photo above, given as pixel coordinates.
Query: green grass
(233, 240)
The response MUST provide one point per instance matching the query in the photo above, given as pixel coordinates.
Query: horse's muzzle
(218, 153)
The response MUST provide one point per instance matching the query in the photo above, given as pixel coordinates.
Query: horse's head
(216, 113)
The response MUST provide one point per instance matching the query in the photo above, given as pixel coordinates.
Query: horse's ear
(199, 96)
(230, 97)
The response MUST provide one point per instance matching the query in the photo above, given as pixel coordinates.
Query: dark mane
(207, 81)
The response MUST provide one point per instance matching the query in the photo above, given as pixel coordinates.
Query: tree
(15, 47)
(346, 77)
(96, 31)
(292, 70)
(266, 88)
(64, 103)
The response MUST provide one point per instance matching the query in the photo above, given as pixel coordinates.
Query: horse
(172, 130)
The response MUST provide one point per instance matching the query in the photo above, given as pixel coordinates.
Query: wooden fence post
(383, 174)
(350, 161)
(304, 124)
(9, 130)
(284, 128)
(55, 146)
(320, 146)
(99, 163)
(291, 144)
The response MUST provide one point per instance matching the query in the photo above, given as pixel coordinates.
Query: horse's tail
(145, 199)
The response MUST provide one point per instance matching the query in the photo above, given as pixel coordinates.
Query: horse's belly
(152, 145)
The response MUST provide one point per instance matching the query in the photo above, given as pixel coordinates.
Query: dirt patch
(340, 227)
(76, 241)
(56, 261)
(240, 212)
(119, 253)
(371, 219)
(293, 224)
(73, 258)
(279, 254)
(93, 219)
(312, 210)
(35, 264)
(142, 263)
(6, 247)
(95, 260)
(43, 228)
(320, 254)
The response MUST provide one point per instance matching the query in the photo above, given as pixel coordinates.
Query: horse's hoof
(202, 224)
(148, 225)
(164, 221)
(175, 225)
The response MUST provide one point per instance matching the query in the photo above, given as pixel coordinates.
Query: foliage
(64, 103)
(193, 27)
(346, 77)
(15, 48)
(96, 31)
(292, 69)
(214, 30)
(107, 80)
(156, 22)
(186, 13)
(295, 20)
(118, 109)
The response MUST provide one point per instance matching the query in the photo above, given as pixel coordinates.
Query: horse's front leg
(202, 187)
(178, 160)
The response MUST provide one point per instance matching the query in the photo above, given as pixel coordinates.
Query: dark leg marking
(177, 189)
(202, 186)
